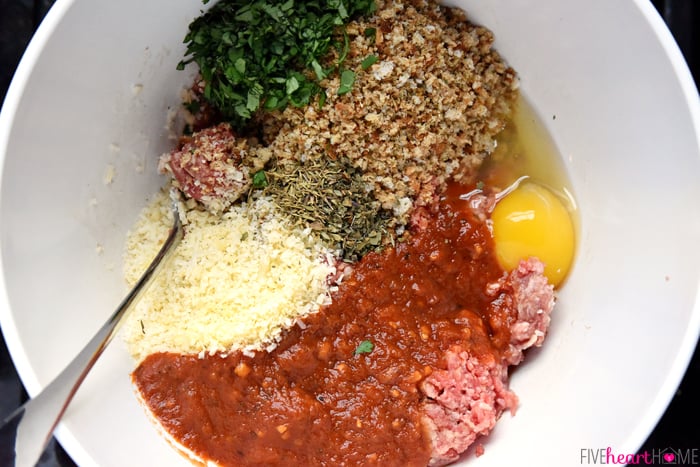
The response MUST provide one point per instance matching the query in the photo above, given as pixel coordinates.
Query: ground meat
(481, 203)
(213, 166)
(534, 300)
(526, 288)
(465, 400)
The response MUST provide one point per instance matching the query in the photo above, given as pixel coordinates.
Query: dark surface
(678, 429)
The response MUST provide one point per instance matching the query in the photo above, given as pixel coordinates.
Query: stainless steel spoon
(29, 428)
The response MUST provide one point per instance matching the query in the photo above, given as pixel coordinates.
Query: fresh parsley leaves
(267, 54)
(347, 79)
(260, 179)
(364, 347)
(369, 61)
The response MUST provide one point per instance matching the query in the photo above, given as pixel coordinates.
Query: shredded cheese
(234, 283)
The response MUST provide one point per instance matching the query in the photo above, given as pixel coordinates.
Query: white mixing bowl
(84, 122)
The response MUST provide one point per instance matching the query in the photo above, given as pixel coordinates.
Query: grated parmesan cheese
(234, 283)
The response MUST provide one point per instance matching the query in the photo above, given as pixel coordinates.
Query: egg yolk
(532, 221)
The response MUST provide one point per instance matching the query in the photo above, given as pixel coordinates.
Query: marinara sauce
(344, 388)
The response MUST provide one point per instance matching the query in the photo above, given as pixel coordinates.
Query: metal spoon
(29, 428)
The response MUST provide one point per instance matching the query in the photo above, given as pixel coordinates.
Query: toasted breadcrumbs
(427, 110)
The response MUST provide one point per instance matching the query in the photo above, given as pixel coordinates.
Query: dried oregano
(330, 197)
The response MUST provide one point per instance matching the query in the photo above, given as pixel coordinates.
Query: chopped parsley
(347, 79)
(369, 61)
(267, 54)
(259, 179)
(364, 347)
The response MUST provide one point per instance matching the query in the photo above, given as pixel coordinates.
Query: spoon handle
(26, 432)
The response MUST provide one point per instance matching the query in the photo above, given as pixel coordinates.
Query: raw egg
(532, 221)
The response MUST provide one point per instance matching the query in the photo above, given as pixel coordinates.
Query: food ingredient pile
(336, 299)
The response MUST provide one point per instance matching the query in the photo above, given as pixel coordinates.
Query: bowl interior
(86, 118)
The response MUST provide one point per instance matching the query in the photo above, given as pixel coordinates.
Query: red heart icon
(669, 456)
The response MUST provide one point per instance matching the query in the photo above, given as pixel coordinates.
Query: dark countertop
(678, 429)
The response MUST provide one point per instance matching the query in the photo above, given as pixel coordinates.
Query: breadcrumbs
(428, 109)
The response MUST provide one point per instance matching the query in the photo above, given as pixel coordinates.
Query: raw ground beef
(465, 400)
(213, 166)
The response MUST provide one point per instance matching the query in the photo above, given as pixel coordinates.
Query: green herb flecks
(347, 79)
(364, 347)
(369, 61)
(267, 54)
(331, 198)
(259, 179)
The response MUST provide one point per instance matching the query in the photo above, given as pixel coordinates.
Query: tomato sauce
(344, 388)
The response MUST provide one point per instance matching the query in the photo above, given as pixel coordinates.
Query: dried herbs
(330, 197)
